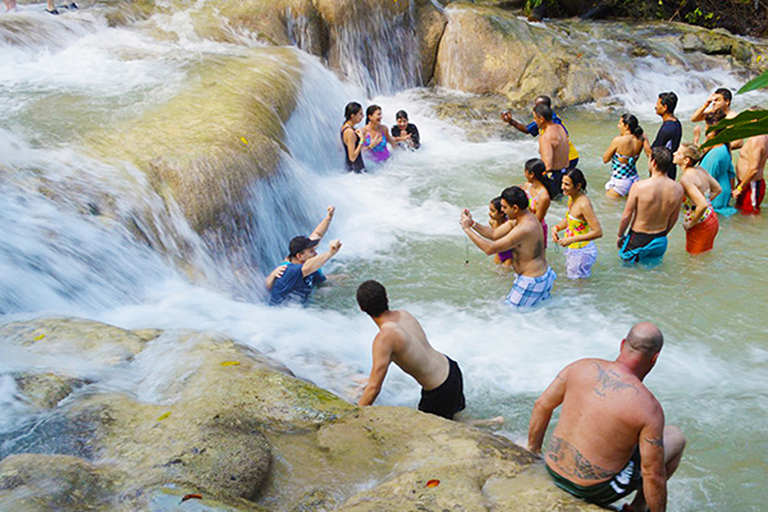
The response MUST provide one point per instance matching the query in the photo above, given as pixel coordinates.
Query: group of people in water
(610, 439)
(374, 138)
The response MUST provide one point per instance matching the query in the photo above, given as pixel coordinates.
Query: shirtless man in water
(610, 438)
(402, 340)
(651, 211)
(524, 236)
(553, 147)
(750, 170)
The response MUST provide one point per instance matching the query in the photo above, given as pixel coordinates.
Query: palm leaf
(759, 82)
(747, 124)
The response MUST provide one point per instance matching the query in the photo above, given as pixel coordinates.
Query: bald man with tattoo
(610, 439)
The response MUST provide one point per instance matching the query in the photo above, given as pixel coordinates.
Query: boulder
(46, 390)
(238, 430)
(32, 483)
(206, 145)
(487, 50)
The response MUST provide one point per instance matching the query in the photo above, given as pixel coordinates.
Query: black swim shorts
(448, 398)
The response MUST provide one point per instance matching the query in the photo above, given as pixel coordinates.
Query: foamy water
(398, 224)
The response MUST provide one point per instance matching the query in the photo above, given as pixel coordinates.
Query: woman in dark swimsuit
(353, 139)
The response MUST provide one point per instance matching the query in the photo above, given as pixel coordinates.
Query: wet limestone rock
(206, 145)
(46, 390)
(221, 420)
(103, 343)
(33, 482)
(486, 50)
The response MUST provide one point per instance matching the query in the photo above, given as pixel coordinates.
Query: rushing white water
(398, 224)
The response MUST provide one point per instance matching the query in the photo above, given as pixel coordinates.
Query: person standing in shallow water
(522, 234)
(699, 218)
(402, 341)
(553, 147)
(717, 162)
(623, 153)
(651, 212)
(405, 132)
(352, 138)
(610, 439)
(581, 227)
(377, 135)
(671, 132)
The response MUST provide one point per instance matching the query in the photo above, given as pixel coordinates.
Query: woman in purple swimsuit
(497, 218)
(376, 135)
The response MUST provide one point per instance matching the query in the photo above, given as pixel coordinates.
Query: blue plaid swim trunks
(527, 292)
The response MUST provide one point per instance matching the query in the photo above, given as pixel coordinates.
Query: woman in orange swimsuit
(699, 218)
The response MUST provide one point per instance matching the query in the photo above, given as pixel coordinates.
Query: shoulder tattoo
(608, 380)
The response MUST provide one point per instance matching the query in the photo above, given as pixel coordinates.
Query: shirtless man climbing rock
(610, 439)
(402, 341)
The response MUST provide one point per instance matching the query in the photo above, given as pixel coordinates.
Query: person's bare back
(553, 147)
(658, 200)
(604, 409)
(752, 159)
(411, 350)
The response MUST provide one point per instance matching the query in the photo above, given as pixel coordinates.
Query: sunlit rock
(206, 145)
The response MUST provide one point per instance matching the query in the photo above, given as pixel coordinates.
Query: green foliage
(756, 83)
(745, 125)
(699, 17)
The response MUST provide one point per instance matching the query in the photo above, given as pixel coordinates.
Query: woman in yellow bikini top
(580, 223)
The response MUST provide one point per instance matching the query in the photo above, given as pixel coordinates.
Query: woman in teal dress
(717, 162)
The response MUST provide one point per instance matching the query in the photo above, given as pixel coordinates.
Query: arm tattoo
(568, 458)
(659, 443)
(608, 380)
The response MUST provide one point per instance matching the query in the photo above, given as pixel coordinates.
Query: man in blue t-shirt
(294, 279)
(533, 128)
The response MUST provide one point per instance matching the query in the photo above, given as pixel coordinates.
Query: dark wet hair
(633, 124)
(725, 93)
(543, 100)
(496, 202)
(401, 114)
(370, 111)
(537, 167)
(577, 177)
(351, 109)
(712, 118)
(372, 298)
(669, 100)
(663, 159)
(515, 196)
(544, 111)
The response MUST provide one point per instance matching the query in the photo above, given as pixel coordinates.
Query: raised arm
(549, 400)
(313, 264)
(508, 241)
(651, 444)
(700, 112)
(507, 118)
(383, 347)
(487, 231)
(319, 231)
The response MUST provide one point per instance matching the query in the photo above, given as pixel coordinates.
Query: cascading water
(91, 239)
